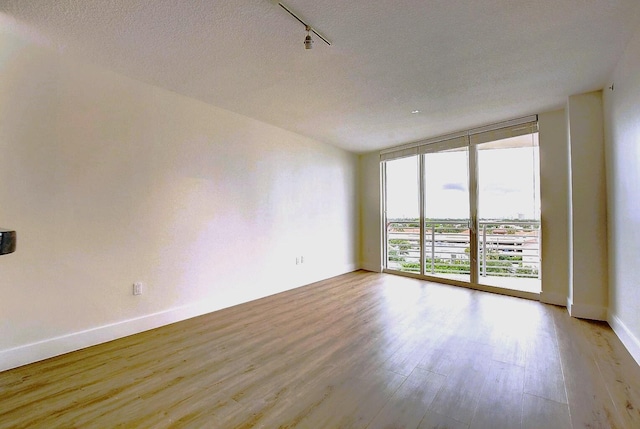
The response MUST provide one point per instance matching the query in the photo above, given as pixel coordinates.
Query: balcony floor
(512, 283)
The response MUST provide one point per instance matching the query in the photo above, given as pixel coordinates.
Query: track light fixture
(308, 41)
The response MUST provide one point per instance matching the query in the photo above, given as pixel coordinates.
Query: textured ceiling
(461, 63)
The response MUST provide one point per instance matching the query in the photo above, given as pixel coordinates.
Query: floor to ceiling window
(466, 208)
(403, 214)
(509, 212)
(446, 211)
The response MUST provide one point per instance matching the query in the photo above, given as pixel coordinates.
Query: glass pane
(447, 235)
(403, 213)
(509, 213)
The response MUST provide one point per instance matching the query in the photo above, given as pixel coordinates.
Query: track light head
(308, 41)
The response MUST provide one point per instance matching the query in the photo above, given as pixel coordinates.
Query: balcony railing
(505, 248)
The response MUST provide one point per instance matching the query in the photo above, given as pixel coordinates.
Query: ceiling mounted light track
(308, 41)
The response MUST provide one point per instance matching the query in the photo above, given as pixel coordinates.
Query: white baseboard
(630, 341)
(34, 352)
(585, 311)
(553, 298)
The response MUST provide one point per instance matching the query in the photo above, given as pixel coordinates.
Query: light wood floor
(362, 350)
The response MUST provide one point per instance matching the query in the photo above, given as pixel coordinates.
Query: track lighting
(7, 241)
(308, 41)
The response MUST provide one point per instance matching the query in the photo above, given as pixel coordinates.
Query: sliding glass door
(403, 215)
(509, 213)
(446, 214)
(466, 208)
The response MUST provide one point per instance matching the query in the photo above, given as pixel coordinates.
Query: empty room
(301, 214)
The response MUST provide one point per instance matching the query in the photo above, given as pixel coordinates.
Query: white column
(554, 194)
(588, 293)
(371, 239)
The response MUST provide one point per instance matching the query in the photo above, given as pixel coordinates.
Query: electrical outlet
(302, 259)
(297, 260)
(137, 288)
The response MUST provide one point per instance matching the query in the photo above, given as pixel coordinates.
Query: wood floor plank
(500, 398)
(589, 401)
(359, 350)
(543, 413)
(510, 349)
(544, 376)
(408, 406)
(460, 393)
(620, 372)
(353, 402)
(441, 360)
(434, 420)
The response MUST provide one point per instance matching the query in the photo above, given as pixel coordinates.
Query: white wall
(109, 181)
(554, 191)
(370, 212)
(588, 260)
(622, 125)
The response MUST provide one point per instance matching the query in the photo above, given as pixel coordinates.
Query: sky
(507, 180)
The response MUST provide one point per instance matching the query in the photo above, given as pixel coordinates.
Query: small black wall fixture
(7, 241)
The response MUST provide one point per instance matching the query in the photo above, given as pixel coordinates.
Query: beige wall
(622, 125)
(109, 181)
